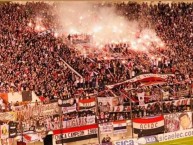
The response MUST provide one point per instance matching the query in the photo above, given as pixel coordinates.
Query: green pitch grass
(184, 141)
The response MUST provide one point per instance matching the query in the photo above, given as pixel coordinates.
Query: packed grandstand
(132, 86)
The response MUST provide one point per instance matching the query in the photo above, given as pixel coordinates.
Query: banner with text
(148, 126)
(81, 121)
(75, 134)
(69, 109)
(106, 128)
(32, 110)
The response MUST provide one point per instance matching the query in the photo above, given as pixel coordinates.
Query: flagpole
(131, 112)
(98, 115)
(21, 124)
(61, 125)
(162, 101)
(191, 100)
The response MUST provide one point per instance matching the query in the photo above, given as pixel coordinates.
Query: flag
(119, 126)
(141, 98)
(148, 126)
(66, 102)
(69, 109)
(87, 103)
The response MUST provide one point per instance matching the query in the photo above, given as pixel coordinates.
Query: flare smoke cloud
(103, 24)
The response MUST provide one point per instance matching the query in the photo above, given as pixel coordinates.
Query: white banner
(17, 96)
(81, 121)
(69, 109)
(106, 128)
(37, 110)
(143, 76)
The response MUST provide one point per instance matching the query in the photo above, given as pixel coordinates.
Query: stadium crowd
(35, 61)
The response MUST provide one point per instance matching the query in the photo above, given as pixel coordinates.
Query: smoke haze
(104, 24)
